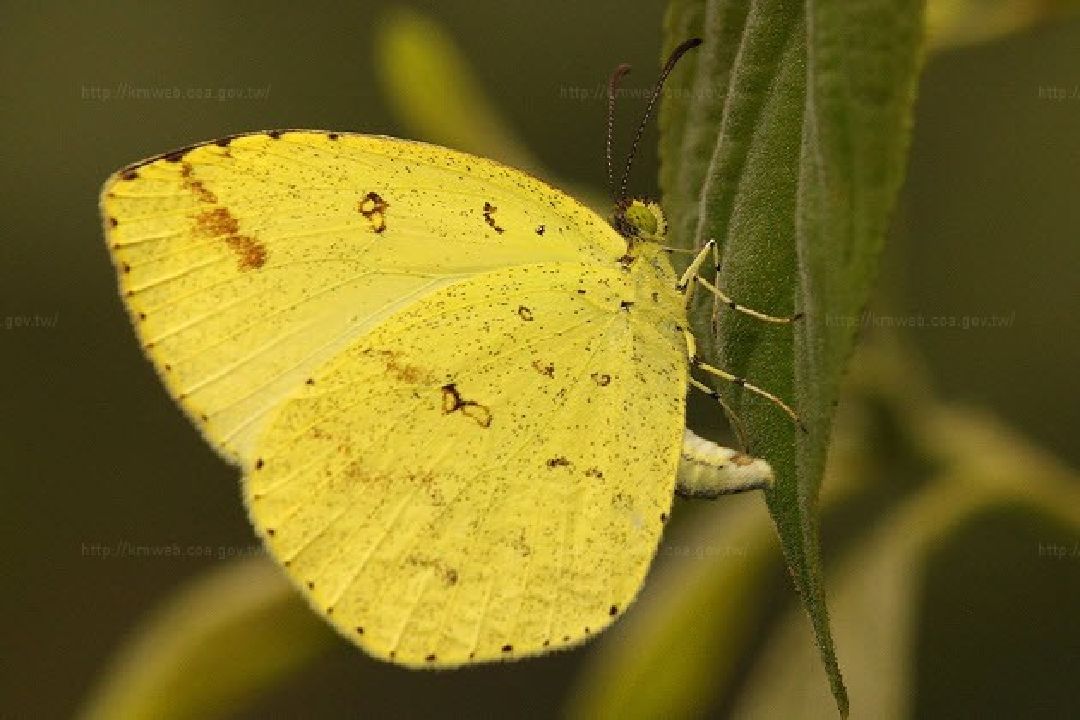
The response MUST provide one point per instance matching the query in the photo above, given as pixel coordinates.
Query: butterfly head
(640, 221)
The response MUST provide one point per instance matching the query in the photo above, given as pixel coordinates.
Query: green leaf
(211, 647)
(789, 151)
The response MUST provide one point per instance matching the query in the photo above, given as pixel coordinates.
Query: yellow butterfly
(457, 395)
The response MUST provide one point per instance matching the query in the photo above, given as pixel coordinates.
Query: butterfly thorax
(644, 226)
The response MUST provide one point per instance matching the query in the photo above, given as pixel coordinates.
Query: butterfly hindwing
(483, 475)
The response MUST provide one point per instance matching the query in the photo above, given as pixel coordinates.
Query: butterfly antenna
(677, 53)
(613, 85)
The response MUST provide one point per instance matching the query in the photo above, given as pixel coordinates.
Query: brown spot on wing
(489, 217)
(426, 481)
(196, 186)
(519, 544)
(175, 156)
(399, 370)
(448, 575)
(453, 402)
(480, 413)
(546, 369)
(219, 222)
(373, 207)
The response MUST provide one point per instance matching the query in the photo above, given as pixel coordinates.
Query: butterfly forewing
(247, 262)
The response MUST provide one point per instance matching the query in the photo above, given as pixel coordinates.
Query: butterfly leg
(693, 277)
(678, 250)
(723, 298)
(741, 382)
(695, 361)
(686, 282)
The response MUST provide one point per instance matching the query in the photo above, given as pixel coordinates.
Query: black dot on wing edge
(507, 648)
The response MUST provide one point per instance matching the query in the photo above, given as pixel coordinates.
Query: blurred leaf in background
(219, 641)
(427, 82)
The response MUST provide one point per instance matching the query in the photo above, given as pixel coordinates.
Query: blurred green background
(93, 454)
